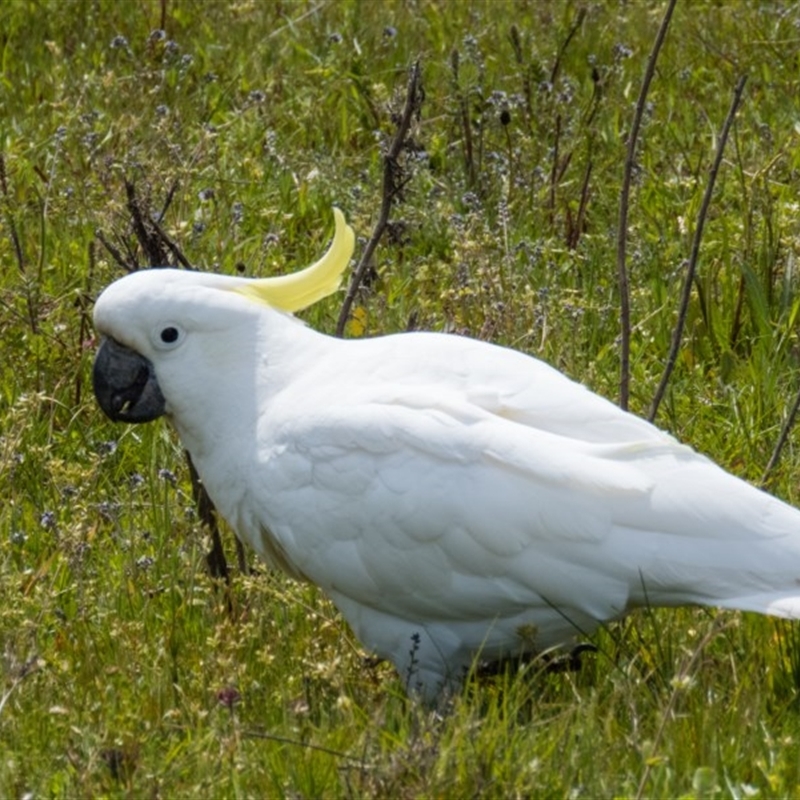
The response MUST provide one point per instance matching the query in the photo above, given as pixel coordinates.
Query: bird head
(159, 327)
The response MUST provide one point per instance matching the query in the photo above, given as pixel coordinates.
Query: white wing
(470, 492)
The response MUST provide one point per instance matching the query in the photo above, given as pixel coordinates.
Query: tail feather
(775, 604)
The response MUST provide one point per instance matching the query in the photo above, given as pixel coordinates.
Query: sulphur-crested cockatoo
(453, 498)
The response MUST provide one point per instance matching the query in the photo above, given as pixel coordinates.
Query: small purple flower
(48, 520)
(107, 448)
(228, 697)
(622, 51)
(168, 476)
(471, 200)
(108, 510)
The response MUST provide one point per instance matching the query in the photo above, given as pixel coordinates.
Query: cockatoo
(455, 499)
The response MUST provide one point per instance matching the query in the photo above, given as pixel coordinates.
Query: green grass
(120, 660)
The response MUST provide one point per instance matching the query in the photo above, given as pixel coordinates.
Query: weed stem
(391, 188)
(624, 200)
(677, 333)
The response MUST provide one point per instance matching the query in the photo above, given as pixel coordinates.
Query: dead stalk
(393, 184)
(624, 202)
(677, 332)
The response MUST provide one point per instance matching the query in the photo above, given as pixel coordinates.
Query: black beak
(125, 384)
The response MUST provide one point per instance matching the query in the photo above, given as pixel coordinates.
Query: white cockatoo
(455, 499)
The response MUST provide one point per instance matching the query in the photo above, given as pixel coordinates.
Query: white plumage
(452, 497)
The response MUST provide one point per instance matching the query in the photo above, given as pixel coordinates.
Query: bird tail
(775, 604)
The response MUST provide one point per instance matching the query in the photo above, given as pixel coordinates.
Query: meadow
(126, 669)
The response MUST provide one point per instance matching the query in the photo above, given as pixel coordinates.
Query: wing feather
(427, 495)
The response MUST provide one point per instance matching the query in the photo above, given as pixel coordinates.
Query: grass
(124, 669)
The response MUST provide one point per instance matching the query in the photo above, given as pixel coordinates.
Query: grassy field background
(124, 669)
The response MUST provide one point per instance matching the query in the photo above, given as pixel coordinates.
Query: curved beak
(125, 384)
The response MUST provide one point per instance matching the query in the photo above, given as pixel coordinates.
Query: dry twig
(622, 232)
(677, 333)
(158, 248)
(12, 226)
(782, 439)
(393, 183)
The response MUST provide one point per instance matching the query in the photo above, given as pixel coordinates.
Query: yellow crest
(302, 289)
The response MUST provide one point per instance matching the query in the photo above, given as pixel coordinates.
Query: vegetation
(125, 670)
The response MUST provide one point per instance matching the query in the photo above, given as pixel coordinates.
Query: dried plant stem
(677, 333)
(83, 303)
(575, 227)
(352, 761)
(466, 123)
(207, 513)
(624, 201)
(782, 439)
(157, 246)
(574, 28)
(173, 248)
(391, 188)
(551, 202)
(114, 252)
(12, 226)
(30, 293)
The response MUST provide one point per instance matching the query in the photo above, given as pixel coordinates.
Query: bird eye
(165, 337)
(169, 335)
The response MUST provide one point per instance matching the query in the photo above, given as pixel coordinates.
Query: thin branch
(139, 228)
(551, 202)
(153, 240)
(115, 253)
(271, 737)
(12, 226)
(677, 333)
(466, 124)
(516, 44)
(782, 439)
(167, 202)
(624, 200)
(215, 558)
(392, 186)
(151, 237)
(83, 303)
(565, 44)
(575, 227)
(173, 248)
(143, 225)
